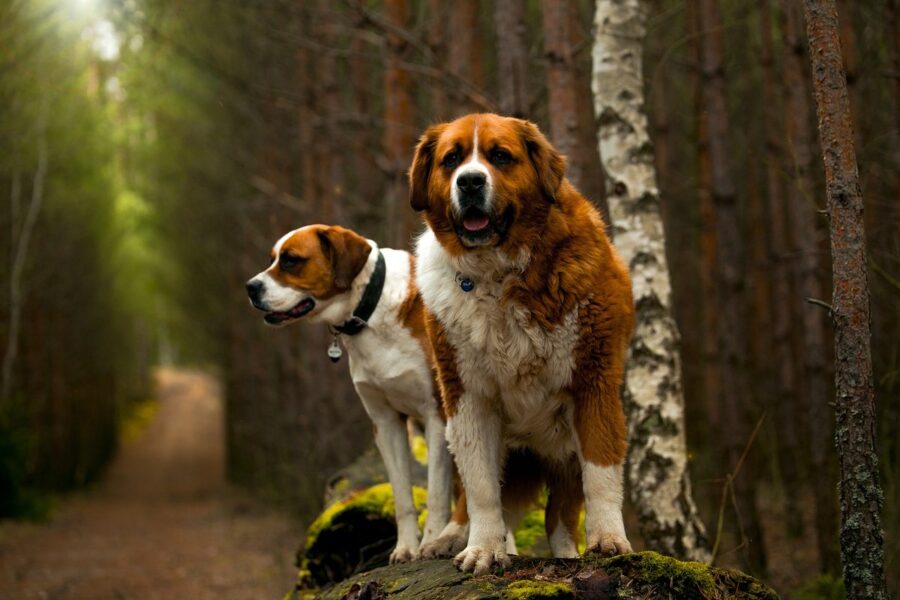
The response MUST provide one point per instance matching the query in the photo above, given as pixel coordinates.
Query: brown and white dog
(321, 274)
(529, 313)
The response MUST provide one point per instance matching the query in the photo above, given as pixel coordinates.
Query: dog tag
(466, 284)
(334, 351)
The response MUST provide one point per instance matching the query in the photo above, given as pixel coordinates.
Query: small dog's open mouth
(303, 308)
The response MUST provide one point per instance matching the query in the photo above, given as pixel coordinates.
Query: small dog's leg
(454, 537)
(393, 443)
(474, 434)
(440, 478)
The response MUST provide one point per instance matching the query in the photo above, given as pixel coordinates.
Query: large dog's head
(311, 272)
(484, 179)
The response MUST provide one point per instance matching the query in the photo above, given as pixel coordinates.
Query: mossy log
(641, 575)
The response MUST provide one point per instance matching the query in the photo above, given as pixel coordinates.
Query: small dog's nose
(471, 181)
(254, 287)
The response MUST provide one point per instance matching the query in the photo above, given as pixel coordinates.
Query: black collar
(367, 303)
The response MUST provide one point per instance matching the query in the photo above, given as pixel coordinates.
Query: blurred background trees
(182, 138)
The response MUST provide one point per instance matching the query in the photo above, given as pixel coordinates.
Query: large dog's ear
(422, 163)
(549, 164)
(347, 251)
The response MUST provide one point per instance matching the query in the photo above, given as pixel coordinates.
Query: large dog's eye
(500, 157)
(451, 160)
(290, 261)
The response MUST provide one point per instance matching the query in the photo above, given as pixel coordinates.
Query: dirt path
(163, 523)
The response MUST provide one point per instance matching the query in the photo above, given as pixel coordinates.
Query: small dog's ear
(422, 163)
(347, 251)
(549, 164)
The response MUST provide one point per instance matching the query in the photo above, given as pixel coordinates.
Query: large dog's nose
(470, 182)
(254, 287)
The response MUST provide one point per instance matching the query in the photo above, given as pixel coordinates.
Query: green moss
(377, 500)
(331, 537)
(529, 589)
(690, 579)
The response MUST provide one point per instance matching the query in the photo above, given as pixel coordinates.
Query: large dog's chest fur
(502, 356)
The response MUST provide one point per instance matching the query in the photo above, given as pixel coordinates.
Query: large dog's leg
(474, 434)
(392, 440)
(600, 427)
(440, 478)
(599, 423)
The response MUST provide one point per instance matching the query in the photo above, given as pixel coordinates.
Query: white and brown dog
(529, 313)
(334, 276)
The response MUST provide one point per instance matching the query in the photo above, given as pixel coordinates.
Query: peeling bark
(861, 537)
(657, 460)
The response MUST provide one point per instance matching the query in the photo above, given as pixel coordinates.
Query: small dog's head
(482, 176)
(312, 268)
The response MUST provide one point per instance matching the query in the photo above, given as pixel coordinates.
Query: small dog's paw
(610, 544)
(450, 542)
(481, 559)
(402, 554)
(443, 547)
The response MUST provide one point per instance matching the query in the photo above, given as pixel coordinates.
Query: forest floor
(162, 524)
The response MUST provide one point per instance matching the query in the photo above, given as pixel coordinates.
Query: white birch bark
(659, 482)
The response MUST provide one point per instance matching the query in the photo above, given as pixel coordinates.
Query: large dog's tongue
(475, 221)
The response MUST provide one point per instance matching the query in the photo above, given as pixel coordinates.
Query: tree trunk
(893, 42)
(652, 392)
(786, 397)
(20, 256)
(802, 209)
(710, 338)
(437, 40)
(730, 274)
(512, 57)
(860, 491)
(464, 51)
(571, 125)
(399, 127)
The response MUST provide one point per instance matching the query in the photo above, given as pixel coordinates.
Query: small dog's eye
(500, 157)
(451, 160)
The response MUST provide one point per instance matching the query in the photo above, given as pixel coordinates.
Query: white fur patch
(473, 165)
(513, 365)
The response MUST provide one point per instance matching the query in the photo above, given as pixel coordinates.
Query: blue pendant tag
(466, 284)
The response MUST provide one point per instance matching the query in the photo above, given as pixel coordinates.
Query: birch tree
(862, 540)
(658, 475)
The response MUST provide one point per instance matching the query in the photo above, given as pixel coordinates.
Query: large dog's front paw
(451, 541)
(609, 544)
(402, 554)
(480, 559)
